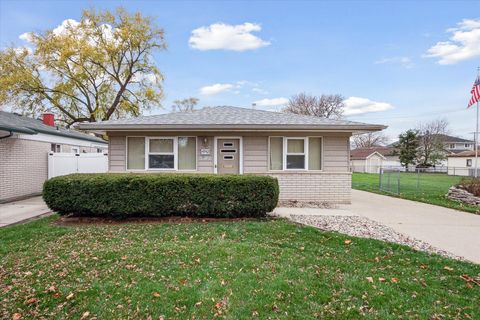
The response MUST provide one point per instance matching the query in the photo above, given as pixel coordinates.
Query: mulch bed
(82, 220)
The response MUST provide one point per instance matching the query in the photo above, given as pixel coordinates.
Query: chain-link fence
(420, 183)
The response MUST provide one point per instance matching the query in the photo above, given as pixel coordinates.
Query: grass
(428, 187)
(268, 269)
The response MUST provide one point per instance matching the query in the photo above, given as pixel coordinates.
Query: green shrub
(123, 195)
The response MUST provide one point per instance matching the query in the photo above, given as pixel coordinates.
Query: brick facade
(24, 166)
(331, 187)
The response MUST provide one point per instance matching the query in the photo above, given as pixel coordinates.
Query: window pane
(295, 146)
(295, 162)
(136, 153)
(161, 145)
(314, 153)
(187, 153)
(276, 153)
(161, 161)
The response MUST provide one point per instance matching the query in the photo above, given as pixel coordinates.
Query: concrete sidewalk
(447, 229)
(22, 210)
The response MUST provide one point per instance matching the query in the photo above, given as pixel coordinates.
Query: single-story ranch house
(309, 155)
(24, 147)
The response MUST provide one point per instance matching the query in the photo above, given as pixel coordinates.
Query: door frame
(215, 152)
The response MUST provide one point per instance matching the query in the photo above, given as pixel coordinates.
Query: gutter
(233, 127)
(23, 130)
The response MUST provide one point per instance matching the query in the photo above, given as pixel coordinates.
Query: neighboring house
(309, 155)
(24, 147)
(456, 145)
(370, 160)
(462, 163)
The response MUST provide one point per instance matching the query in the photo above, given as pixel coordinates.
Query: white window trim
(147, 153)
(174, 153)
(215, 151)
(306, 152)
(77, 150)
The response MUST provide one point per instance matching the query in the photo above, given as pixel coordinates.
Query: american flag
(475, 93)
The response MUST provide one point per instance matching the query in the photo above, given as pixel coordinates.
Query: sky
(396, 63)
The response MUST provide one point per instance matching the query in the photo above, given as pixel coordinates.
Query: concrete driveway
(22, 210)
(455, 231)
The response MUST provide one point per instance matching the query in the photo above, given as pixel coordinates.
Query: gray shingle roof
(21, 124)
(228, 117)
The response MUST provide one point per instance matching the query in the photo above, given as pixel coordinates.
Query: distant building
(370, 160)
(462, 163)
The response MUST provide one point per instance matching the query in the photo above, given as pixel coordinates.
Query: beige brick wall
(329, 187)
(23, 167)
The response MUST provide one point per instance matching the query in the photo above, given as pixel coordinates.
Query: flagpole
(476, 145)
(476, 134)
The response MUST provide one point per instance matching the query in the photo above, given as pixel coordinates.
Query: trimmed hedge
(123, 195)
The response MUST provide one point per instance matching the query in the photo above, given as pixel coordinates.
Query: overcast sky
(397, 63)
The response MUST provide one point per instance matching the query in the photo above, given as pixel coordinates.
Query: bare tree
(431, 138)
(325, 106)
(369, 140)
(184, 105)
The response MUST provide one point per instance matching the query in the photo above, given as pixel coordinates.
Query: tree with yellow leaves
(98, 68)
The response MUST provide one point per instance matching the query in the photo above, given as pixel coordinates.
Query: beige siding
(335, 154)
(117, 153)
(255, 154)
(205, 162)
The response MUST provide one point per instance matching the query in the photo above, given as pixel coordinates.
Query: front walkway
(447, 229)
(22, 210)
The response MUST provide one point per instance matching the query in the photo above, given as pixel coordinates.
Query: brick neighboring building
(24, 147)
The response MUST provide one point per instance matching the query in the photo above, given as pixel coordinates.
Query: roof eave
(233, 127)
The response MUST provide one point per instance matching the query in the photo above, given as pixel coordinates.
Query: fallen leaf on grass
(347, 241)
(381, 279)
(51, 289)
(394, 280)
(448, 268)
(31, 301)
(16, 316)
(70, 296)
(370, 279)
(156, 295)
(198, 304)
(85, 315)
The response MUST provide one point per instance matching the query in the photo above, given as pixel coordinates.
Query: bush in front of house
(196, 195)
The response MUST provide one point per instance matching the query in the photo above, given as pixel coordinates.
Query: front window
(469, 162)
(135, 153)
(467, 145)
(187, 153)
(295, 153)
(161, 153)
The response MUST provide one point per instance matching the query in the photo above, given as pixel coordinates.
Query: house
(309, 155)
(462, 163)
(370, 160)
(24, 146)
(456, 144)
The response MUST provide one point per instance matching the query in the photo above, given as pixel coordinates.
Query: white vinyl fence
(60, 164)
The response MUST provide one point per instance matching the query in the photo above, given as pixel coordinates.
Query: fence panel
(60, 164)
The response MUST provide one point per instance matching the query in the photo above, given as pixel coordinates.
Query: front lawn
(428, 187)
(233, 270)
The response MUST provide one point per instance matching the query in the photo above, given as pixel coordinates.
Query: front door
(228, 156)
